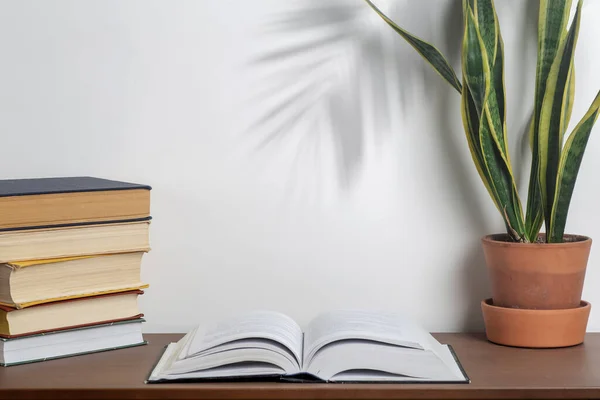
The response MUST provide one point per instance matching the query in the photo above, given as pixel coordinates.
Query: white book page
(234, 353)
(237, 358)
(249, 369)
(268, 325)
(361, 360)
(249, 344)
(163, 370)
(340, 325)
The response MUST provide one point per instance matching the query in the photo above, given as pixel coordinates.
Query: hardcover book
(68, 343)
(27, 283)
(69, 314)
(47, 202)
(74, 241)
(338, 346)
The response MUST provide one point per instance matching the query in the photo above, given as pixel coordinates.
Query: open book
(338, 346)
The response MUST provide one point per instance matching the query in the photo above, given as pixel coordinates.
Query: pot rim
(494, 240)
(583, 305)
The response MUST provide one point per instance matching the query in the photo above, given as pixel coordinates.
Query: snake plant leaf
(476, 69)
(534, 218)
(551, 116)
(426, 50)
(553, 19)
(489, 28)
(478, 79)
(568, 103)
(570, 162)
(471, 126)
(567, 110)
(502, 182)
(498, 71)
(487, 25)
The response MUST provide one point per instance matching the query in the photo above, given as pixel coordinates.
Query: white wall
(159, 92)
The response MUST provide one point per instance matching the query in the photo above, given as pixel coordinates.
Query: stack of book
(70, 262)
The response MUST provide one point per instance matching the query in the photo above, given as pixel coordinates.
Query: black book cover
(40, 186)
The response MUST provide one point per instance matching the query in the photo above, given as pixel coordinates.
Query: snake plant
(555, 165)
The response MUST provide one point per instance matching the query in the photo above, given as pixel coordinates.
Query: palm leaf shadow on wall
(335, 71)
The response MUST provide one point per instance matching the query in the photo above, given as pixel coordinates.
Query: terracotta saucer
(535, 328)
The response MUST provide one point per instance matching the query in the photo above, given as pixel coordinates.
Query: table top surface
(495, 372)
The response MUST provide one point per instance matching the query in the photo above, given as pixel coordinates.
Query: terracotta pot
(543, 276)
(535, 328)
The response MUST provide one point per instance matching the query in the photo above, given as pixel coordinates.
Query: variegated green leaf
(551, 116)
(498, 72)
(501, 182)
(487, 25)
(553, 19)
(566, 114)
(570, 162)
(534, 218)
(471, 126)
(427, 50)
(478, 78)
(530, 131)
(476, 70)
(568, 103)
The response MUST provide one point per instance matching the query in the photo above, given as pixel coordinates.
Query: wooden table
(496, 373)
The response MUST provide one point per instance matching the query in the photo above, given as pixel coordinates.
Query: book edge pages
(27, 304)
(128, 321)
(159, 363)
(142, 343)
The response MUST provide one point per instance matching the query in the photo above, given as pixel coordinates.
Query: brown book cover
(21, 204)
(6, 309)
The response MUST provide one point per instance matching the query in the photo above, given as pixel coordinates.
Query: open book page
(367, 346)
(258, 336)
(340, 325)
(362, 360)
(166, 369)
